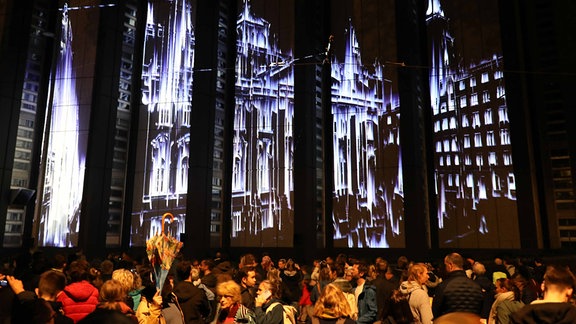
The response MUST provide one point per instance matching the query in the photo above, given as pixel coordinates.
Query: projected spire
(64, 176)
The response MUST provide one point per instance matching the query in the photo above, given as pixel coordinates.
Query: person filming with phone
(268, 309)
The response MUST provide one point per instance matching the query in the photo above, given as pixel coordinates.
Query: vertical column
(415, 126)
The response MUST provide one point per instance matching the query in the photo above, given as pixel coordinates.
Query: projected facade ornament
(166, 99)
(368, 204)
(65, 161)
(262, 182)
(474, 178)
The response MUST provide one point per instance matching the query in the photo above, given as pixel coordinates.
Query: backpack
(400, 312)
(289, 312)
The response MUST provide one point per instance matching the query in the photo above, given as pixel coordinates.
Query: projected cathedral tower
(474, 178)
(167, 98)
(262, 179)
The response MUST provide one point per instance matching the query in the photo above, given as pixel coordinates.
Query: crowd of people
(343, 290)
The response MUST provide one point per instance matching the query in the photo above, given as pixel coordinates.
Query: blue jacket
(367, 306)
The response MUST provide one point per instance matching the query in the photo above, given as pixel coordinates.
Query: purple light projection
(65, 155)
(262, 183)
(163, 146)
(475, 182)
(368, 203)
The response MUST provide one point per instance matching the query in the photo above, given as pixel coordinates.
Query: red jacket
(78, 300)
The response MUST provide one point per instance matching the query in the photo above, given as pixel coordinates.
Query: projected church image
(474, 176)
(163, 150)
(262, 179)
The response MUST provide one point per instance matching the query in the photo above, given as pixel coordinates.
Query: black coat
(193, 302)
(457, 293)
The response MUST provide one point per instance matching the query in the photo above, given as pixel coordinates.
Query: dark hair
(243, 273)
(560, 277)
(78, 270)
(456, 259)
(183, 270)
(51, 283)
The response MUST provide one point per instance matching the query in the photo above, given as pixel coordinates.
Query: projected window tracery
(163, 146)
(477, 209)
(262, 184)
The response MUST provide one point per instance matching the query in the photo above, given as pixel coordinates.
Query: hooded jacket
(545, 313)
(419, 301)
(193, 302)
(78, 300)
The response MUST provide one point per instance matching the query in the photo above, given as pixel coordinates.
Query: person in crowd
(291, 289)
(39, 306)
(106, 269)
(558, 287)
(331, 307)
(488, 289)
(457, 293)
(539, 270)
(268, 308)
(510, 266)
(59, 262)
(210, 293)
(507, 301)
(527, 286)
(401, 269)
(208, 276)
(247, 260)
(281, 265)
(246, 278)
(126, 278)
(306, 307)
(415, 287)
(365, 294)
(192, 300)
(338, 274)
(112, 299)
(79, 298)
(150, 307)
(498, 270)
(384, 288)
(263, 267)
(230, 309)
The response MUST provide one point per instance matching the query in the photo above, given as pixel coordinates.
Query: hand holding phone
(266, 294)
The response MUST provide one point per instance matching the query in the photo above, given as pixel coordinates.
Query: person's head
(332, 301)
(282, 264)
(106, 267)
(194, 274)
(359, 269)
(267, 285)
(478, 269)
(228, 293)
(247, 260)
(247, 277)
(125, 278)
(183, 270)
(51, 283)
(111, 293)
(498, 261)
(453, 262)
(59, 261)
(402, 263)
(266, 262)
(207, 265)
(559, 280)
(78, 270)
(418, 272)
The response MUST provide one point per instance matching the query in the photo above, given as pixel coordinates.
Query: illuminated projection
(163, 149)
(368, 203)
(66, 150)
(262, 183)
(474, 178)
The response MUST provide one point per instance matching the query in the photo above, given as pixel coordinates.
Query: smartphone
(3, 283)
(266, 294)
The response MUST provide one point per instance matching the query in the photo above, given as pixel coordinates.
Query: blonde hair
(229, 288)
(111, 293)
(416, 270)
(126, 279)
(333, 301)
